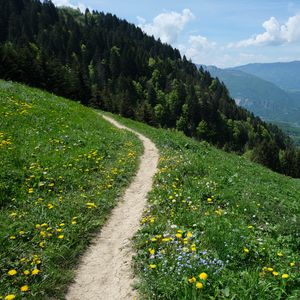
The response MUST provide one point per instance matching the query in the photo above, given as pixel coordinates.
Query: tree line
(108, 63)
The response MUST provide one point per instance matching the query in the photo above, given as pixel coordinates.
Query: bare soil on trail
(105, 271)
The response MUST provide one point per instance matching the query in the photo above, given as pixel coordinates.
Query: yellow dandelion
(50, 205)
(35, 272)
(292, 264)
(61, 236)
(192, 280)
(24, 288)
(275, 273)
(179, 235)
(12, 237)
(151, 251)
(12, 272)
(280, 254)
(270, 269)
(203, 276)
(285, 276)
(10, 297)
(193, 247)
(151, 266)
(30, 190)
(246, 250)
(91, 205)
(26, 272)
(74, 222)
(189, 234)
(199, 285)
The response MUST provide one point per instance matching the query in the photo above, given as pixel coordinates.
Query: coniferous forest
(108, 63)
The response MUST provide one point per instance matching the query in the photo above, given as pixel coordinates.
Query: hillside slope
(217, 227)
(108, 63)
(284, 74)
(62, 170)
(259, 96)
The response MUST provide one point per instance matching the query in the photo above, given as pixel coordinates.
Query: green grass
(220, 214)
(62, 169)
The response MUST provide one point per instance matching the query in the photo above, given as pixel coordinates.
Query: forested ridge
(108, 63)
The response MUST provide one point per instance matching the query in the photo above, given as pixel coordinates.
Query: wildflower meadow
(217, 226)
(62, 170)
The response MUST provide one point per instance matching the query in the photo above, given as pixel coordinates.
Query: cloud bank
(167, 26)
(275, 34)
(81, 6)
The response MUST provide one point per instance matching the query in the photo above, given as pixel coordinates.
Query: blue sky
(214, 32)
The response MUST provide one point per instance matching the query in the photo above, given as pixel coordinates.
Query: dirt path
(105, 269)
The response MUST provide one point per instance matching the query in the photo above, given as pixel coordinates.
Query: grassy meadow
(62, 169)
(217, 227)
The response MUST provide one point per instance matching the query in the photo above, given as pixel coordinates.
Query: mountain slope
(217, 227)
(108, 63)
(62, 169)
(263, 98)
(285, 75)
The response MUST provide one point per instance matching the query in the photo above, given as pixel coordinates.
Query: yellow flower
(193, 247)
(12, 272)
(35, 271)
(21, 232)
(26, 272)
(285, 276)
(275, 273)
(61, 236)
(203, 276)
(151, 251)
(250, 227)
(192, 280)
(151, 266)
(74, 222)
(199, 285)
(246, 250)
(12, 237)
(10, 297)
(280, 254)
(30, 190)
(209, 200)
(292, 264)
(153, 239)
(91, 205)
(189, 234)
(24, 288)
(50, 205)
(270, 269)
(179, 235)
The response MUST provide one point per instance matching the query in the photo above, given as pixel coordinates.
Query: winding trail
(105, 269)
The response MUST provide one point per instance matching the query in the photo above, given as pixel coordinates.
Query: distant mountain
(284, 74)
(262, 97)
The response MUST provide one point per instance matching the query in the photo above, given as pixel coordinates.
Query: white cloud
(81, 6)
(275, 34)
(198, 49)
(201, 43)
(167, 26)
